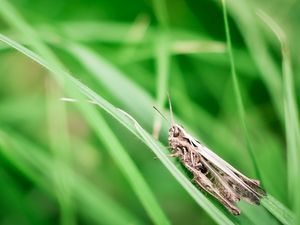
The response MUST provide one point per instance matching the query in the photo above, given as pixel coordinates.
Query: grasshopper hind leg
(206, 184)
(208, 188)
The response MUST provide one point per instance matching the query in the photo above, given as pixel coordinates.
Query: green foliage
(83, 163)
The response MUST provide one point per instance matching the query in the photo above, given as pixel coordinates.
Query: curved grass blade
(209, 207)
(126, 165)
(237, 92)
(101, 69)
(286, 219)
(11, 15)
(112, 110)
(243, 15)
(291, 115)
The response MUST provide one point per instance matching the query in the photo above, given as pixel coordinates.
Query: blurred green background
(73, 163)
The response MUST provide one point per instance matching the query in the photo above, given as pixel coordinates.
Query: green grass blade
(160, 10)
(268, 204)
(149, 202)
(124, 58)
(126, 165)
(101, 69)
(60, 148)
(276, 208)
(109, 76)
(156, 147)
(115, 113)
(12, 17)
(98, 67)
(244, 16)
(237, 92)
(209, 207)
(291, 116)
(118, 85)
(162, 60)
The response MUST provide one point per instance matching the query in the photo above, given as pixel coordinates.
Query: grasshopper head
(176, 131)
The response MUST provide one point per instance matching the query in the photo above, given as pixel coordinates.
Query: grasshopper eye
(176, 132)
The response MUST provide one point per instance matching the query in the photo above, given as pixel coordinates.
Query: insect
(210, 172)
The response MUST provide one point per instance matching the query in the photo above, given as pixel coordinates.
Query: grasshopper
(210, 172)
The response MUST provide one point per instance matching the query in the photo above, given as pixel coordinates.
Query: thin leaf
(209, 207)
(291, 116)
(284, 215)
(244, 16)
(162, 68)
(12, 16)
(237, 92)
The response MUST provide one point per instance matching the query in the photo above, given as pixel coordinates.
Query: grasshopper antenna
(160, 113)
(171, 111)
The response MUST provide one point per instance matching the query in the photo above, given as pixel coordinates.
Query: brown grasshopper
(210, 172)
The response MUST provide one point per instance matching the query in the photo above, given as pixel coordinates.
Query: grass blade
(126, 165)
(237, 93)
(60, 148)
(11, 15)
(198, 196)
(284, 215)
(291, 116)
(209, 207)
(242, 12)
(162, 68)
